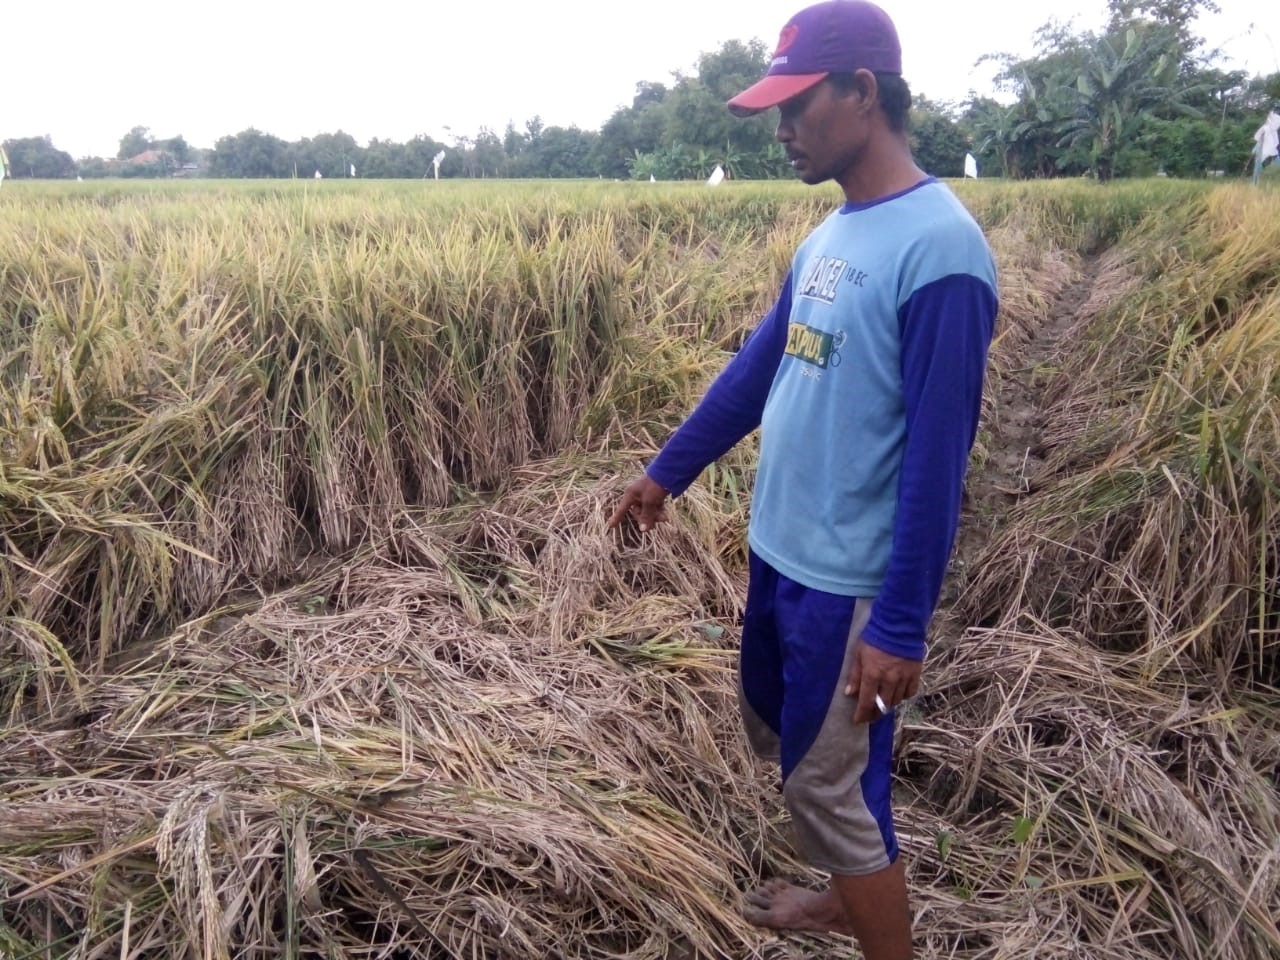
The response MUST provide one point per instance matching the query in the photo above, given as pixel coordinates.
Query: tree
(483, 156)
(1170, 19)
(558, 152)
(385, 159)
(250, 153)
(95, 168)
(667, 127)
(38, 158)
(938, 142)
(1118, 85)
(1127, 100)
(642, 166)
(637, 128)
(1025, 136)
(513, 141)
(418, 154)
(992, 127)
(177, 148)
(648, 94)
(695, 109)
(333, 154)
(136, 141)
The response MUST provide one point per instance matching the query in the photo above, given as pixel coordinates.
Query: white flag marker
(1266, 143)
(1268, 137)
(970, 166)
(717, 175)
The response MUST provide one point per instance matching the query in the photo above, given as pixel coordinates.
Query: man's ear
(866, 89)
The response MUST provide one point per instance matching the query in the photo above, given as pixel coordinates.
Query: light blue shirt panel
(833, 427)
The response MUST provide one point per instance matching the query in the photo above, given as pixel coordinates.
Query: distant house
(164, 160)
(151, 158)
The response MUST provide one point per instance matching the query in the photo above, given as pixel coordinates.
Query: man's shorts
(797, 647)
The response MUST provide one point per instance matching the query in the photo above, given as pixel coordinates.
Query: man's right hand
(644, 500)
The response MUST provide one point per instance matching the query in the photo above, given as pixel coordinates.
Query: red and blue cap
(838, 36)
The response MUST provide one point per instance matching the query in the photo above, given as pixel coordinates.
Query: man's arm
(730, 409)
(946, 328)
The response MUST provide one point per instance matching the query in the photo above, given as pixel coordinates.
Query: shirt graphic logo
(821, 277)
(813, 346)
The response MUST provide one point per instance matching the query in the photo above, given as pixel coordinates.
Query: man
(865, 379)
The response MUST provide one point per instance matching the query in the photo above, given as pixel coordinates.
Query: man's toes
(773, 888)
(760, 897)
(766, 917)
(768, 892)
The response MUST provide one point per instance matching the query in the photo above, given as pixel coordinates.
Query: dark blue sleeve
(731, 407)
(945, 328)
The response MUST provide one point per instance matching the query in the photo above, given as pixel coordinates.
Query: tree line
(1140, 96)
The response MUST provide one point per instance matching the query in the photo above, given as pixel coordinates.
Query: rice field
(313, 642)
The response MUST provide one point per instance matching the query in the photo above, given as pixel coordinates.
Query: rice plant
(313, 641)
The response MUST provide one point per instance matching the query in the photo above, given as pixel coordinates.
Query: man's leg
(876, 907)
(776, 903)
(837, 784)
(760, 664)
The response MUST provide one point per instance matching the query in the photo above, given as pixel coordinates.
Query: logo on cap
(786, 38)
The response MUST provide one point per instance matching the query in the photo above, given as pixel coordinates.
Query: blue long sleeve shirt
(866, 381)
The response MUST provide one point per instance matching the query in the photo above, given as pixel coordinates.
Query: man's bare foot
(784, 906)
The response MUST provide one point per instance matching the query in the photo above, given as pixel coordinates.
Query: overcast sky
(85, 72)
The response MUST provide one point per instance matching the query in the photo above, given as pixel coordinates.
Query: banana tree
(1116, 88)
(1003, 131)
(733, 161)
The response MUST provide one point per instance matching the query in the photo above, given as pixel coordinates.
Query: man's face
(824, 131)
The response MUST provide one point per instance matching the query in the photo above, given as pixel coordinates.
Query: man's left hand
(876, 672)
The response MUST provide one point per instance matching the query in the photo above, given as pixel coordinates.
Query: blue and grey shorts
(797, 647)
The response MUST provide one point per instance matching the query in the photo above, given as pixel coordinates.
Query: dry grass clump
(413, 750)
(1067, 804)
(1152, 525)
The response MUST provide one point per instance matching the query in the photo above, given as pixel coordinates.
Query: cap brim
(772, 91)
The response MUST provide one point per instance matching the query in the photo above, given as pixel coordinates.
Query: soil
(1013, 429)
